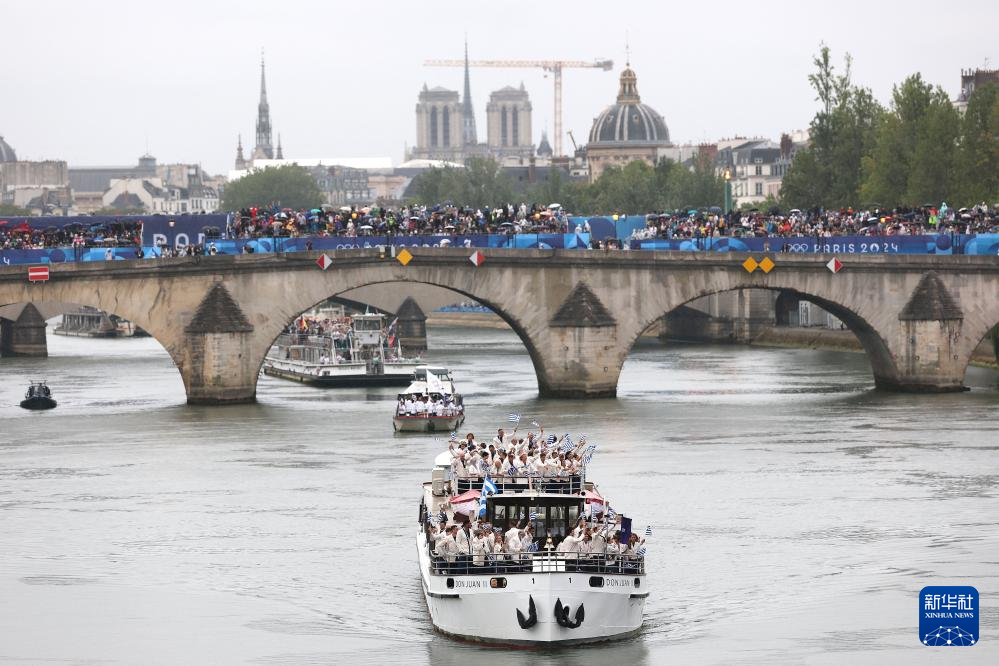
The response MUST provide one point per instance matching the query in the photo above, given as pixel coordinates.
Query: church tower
(264, 150)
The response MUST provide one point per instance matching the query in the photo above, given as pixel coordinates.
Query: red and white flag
(477, 258)
(835, 265)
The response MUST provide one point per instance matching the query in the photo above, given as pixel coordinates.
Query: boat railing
(449, 412)
(564, 485)
(547, 561)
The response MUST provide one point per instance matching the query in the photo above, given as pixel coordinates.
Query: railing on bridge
(565, 485)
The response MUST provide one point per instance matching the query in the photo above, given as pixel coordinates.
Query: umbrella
(715, 209)
(365, 227)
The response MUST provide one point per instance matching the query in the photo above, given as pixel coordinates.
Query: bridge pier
(581, 356)
(219, 366)
(25, 336)
(928, 356)
(411, 328)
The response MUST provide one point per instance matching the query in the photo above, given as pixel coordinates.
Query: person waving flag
(513, 418)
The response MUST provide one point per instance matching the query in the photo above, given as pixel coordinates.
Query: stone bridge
(578, 312)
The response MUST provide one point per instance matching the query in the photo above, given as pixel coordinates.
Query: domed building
(7, 153)
(626, 131)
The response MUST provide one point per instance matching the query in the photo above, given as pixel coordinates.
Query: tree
(978, 159)
(828, 171)
(10, 210)
(914, 157)
(480, 183)
(288, 186)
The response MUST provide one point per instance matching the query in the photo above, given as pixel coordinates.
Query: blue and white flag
(513, 418)
(532, 547)
(587, 458)
(482, 508)
(640, 552)
(442, 516)
(488, 486)
(533, 516)
(648, 531)
(566, 446)
(611, 513)
(552, 438)
(453, 437)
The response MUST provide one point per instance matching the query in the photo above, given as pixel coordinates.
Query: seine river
(796, 512)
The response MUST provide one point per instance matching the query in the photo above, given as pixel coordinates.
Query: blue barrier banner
(982, 244)
(602, 228)
(180, 230)
(926, 244)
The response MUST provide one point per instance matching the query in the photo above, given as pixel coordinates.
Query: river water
(796, 512)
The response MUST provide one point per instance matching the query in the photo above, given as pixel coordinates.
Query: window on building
(447, 127)
(759, 169)
(516, 127)
(759, 189)
(433, 127)
(503, 126)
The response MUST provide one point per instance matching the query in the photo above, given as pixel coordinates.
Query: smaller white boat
(430, 403)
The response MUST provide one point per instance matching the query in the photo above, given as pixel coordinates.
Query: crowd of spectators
(447, 219)
(822, 223)
(16, 235)
(442, 219)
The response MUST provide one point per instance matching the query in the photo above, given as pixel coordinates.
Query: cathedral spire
(467, 112)
(264, 148)
(240, 160)
(280, 153)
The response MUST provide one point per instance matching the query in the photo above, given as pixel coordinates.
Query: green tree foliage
(10, 210)
(288, 186)
(978, 160)
(828, 171)
(915, 153)
(480, 183)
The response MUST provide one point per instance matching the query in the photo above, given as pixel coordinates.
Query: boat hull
(38, 403)
(423, 424)
(339, 380)
(474, 611)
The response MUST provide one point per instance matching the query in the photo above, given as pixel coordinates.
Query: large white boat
(430, 403)
(539, 598)
(364, 355)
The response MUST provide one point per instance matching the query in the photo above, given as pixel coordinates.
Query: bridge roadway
(578, 312)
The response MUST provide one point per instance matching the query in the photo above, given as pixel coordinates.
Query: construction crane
(553, 66)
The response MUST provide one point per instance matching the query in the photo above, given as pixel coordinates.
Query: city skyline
(351, 92)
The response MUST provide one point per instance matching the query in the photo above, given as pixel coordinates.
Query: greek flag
(532, 547)
(453, 437)
(432, 519)
(442, 517)
(648, 530)
(587, 458)
(533, 516)
(611, 513)
(513, 418)
(489, 487)
(551, 439)
(566, 446)
(640, 552)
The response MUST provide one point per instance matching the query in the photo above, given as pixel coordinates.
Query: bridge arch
(875, 346)
(276, 328)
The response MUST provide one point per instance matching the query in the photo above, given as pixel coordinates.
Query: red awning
(593, 497)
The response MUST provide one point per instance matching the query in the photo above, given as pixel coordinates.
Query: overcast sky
(95, 82)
